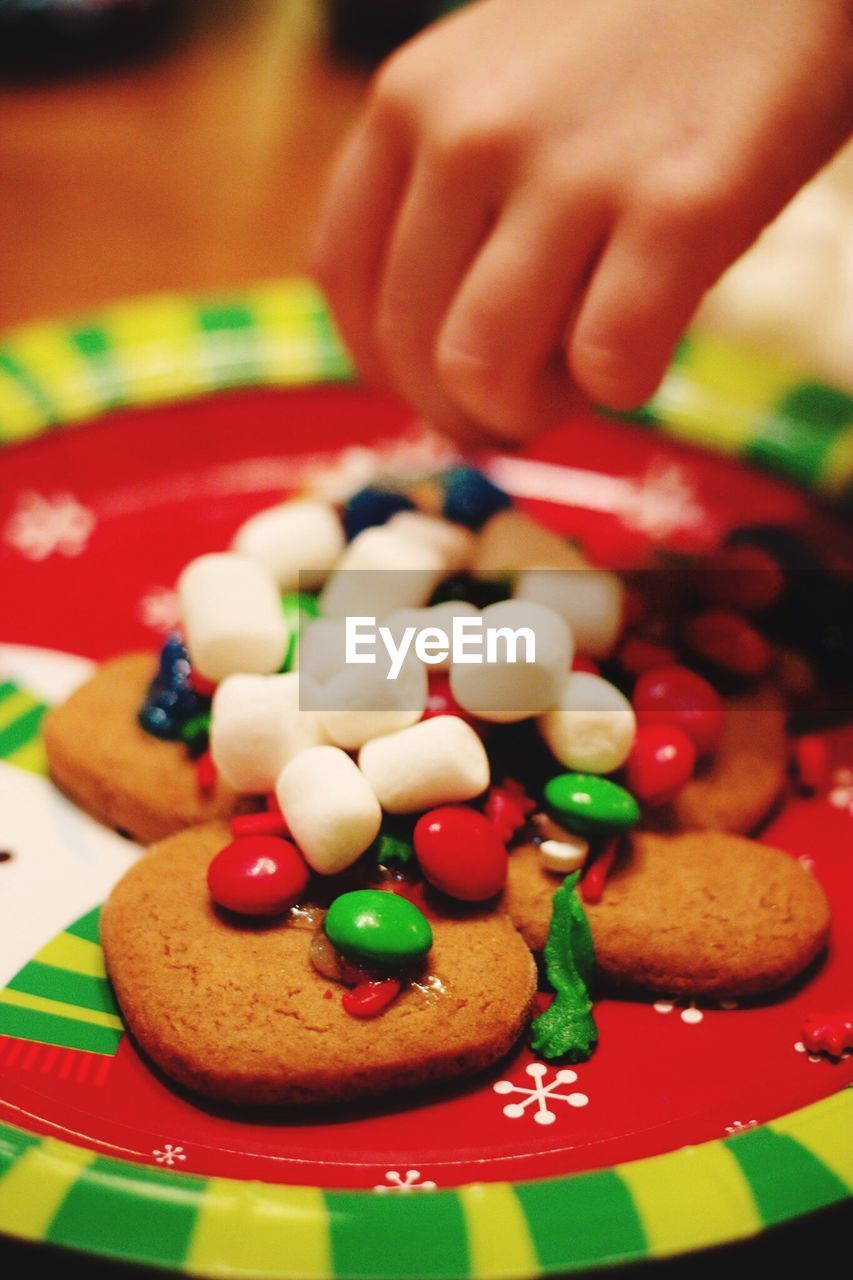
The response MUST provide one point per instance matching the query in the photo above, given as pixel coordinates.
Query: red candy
(637, 655)
(595, 877)
(729, 641)
(507, 807)
(266, 823)
(676, 695)
(661, 760)
(370, 998)
(743, 577)
(202, 685)
(582, 663)
(205, 773)
(461, 853)
(811, 756)
(829, 1032)
(257, 875)
(441, 702)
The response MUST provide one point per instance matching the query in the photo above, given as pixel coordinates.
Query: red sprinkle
(592, 884)
(202, 685)
(266, 823)
(811, 756)
(581, 663)
(729, 641)
(370, 998)
(637, 655)
(205, 773)
(829, 1032)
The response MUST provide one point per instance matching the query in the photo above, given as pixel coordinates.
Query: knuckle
(688, 197)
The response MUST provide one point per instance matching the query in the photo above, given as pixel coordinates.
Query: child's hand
(541, 190)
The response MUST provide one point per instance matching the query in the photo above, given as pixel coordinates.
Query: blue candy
(369, 507)
(171, 700)
(470, 498)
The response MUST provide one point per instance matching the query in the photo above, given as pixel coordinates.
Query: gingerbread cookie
(101, 757)
(704, 913)
(235, 1010)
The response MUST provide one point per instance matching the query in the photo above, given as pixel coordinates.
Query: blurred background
(182, 144)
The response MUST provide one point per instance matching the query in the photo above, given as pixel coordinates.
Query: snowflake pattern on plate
(160, 609)
(689, 1012)
(541, 1093)
(740, 1126)
(169, 1155)
(41, 526)
(409, 1181)
(841, 795)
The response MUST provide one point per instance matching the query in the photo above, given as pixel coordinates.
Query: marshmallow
(436, 615)
(381, 571)
(232, 616)
(453, 542)
(511, 541)
(360, 703)
(322, 649)
(590, 600)
(438, 761)
(256, 727)
(503, 690)
(592, 727)
(330, 808)
(297, 542)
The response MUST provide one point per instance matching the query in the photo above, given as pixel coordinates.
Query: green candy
(299, 608)
(378, 928)
(590, 805)
(391, 851)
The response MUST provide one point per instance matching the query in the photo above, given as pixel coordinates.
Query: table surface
(200, 170)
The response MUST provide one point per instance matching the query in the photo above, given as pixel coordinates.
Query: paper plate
(692, 1124)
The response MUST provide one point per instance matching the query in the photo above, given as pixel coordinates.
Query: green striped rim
(171, 347)
(686, 1199)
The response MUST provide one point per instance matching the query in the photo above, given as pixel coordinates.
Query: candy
(381, 570)
(297, 542)
(232, 616)
(590, 600)
(511, 541)
(360, 703)
(582, 663)
(592, 727)
(479, 594)
(566, 855)
(507, 808)
(470, 497)
(676, 695)
(370, 507)
(370, 998)
(507, 686)
(391, 851)
(436, 761)
(205, 773)
(257, 875)
(171, 699)
(268, 822)
(811, 758)
(453, 542)
(257, 727)
(661, 761)
(637, 655)
(461, 853)
(592, 885)
(329, 806)
(299, 609)
(441, 702)
(728, 641)
(378, 929)
(742, 577)
(590, 805)
(439, 616)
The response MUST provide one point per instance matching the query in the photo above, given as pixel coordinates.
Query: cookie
(703, 913)
(112, 768)
(743, 779)
(236, 1011)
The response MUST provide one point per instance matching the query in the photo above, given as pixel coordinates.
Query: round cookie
(112, 768)
(743, 779)
(236, 1011)
(703, 913)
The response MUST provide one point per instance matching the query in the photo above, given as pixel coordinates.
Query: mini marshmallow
(564, 856)
(590, 600)
(438, 761)
(298, 542)
(232, 616)
(512, 541)
(592, 727)
(322, 649)
(256, 727)
(453, 542)
(436, 615)
(502, 690)
(330, 808)
(381, 571)
(360, 703)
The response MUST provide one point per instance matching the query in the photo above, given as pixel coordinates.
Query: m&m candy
(460, 853)
(662, 759)
(257, 875)
(377, 928)
(676, 695)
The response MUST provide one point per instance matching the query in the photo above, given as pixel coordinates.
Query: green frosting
(567, 1028)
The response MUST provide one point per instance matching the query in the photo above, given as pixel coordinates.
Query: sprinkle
(266, 823)
(205, 773)
(592, 885)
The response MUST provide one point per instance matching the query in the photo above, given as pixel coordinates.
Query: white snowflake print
(541, 1094)
(740, 1126)
(807, 863)
(409, 1181)
(841, 795)
(41, 526)
(663, 501)
(160, 609)
(689, 1014)
(169, 1155)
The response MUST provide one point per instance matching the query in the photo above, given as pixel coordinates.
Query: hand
(540, 191)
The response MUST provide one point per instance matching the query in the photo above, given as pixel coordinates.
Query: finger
(639, 301)
(355, 222)
(496, 351)
(441, 225)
